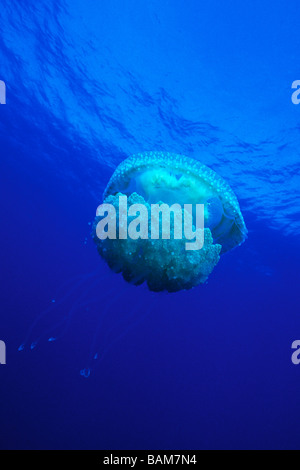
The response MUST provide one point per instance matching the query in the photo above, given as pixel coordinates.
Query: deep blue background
(89, 83)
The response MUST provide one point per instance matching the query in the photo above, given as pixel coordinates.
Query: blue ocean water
(88, 84)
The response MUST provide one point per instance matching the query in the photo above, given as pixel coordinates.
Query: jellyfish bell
(172, 178)
(165, 178)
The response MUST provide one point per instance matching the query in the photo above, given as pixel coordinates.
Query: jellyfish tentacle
(54, 306)
(139, 320)
(94, 356)
(86, 371)
(78, 305)
(103, 316)
(71, 280)
(66, 320)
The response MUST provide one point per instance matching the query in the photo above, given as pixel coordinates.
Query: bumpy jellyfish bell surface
(165, 264)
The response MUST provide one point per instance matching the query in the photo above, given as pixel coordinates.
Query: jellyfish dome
(165, 178)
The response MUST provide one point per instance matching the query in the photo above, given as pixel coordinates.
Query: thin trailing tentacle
(55, 305)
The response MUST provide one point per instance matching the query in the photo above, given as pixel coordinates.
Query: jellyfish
(166, 178)
(161, 265)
